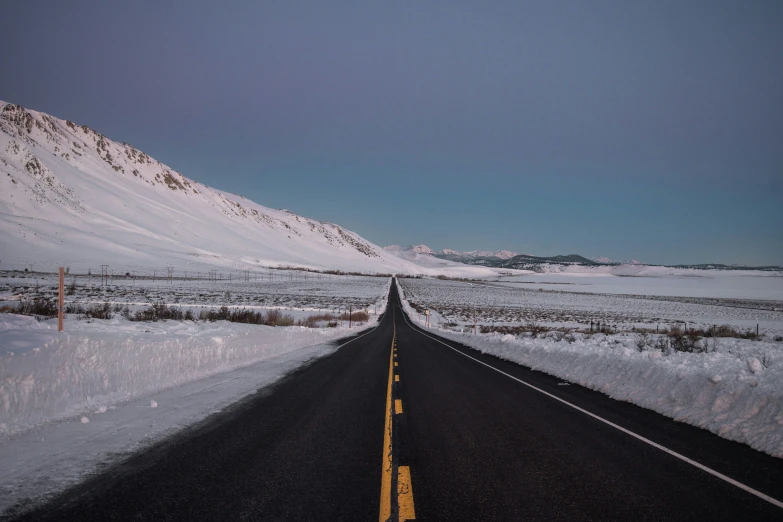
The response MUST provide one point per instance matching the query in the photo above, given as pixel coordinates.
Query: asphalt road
(398, 422)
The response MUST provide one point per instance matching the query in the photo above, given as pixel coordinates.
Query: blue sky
(645, 130)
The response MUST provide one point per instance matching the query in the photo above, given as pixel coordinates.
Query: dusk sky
(645, 130)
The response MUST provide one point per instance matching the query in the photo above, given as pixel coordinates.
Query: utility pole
(350, 315)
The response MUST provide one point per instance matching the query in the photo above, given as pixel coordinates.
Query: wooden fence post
(61, 303)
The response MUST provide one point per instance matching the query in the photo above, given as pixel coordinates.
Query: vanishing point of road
(399, 424)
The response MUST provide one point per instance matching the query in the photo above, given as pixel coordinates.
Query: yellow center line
(405, 494)
(386, 464)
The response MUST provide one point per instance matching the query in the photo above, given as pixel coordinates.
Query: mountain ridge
(424, 249)
(531, 262)
(70, 195)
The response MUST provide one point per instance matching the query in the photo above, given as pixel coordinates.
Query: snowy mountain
(478, 257)
(607, 261)
(505, 254)
(420, 249)
(71, 196)
(410, 249)
(429, 262)
(499, 254)
(449, 253)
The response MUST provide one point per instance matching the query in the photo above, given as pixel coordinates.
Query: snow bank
(48, 375)
(735, 391)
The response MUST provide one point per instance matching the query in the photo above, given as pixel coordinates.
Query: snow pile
(735, 391)
(48, 375)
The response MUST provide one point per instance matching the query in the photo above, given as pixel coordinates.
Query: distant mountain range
(496, 259)
(453, 255)
(515, 260)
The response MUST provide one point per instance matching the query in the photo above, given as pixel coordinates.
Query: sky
(631, 130)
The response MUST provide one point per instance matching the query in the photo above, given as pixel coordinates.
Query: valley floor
(73, 402)
(402, 424)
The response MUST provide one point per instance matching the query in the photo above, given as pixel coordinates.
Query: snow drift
(48, 375)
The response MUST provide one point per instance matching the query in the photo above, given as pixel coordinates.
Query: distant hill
(530, 262)
(524, 260)
(519, 261)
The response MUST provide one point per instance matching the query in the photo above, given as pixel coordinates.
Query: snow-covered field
(658, 281)
(495, 304)
(73, 401)
(293, 291)
(49, 375)
(734, 389)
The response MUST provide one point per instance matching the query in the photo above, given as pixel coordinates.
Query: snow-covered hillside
(71, 196)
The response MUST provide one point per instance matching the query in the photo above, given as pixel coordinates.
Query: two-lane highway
(400, 424)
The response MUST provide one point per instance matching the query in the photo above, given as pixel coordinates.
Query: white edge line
(702, 467)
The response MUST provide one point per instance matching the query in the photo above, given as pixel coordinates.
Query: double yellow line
(403, 499)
